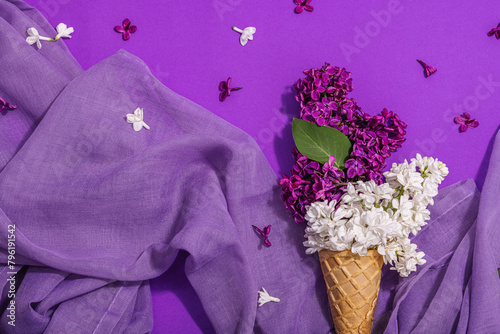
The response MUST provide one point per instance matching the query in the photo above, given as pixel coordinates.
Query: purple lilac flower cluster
(323, 100)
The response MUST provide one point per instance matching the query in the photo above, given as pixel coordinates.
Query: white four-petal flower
(63, 31)
(264, 297)
(34, 37)
(137, 119)
(246, 34)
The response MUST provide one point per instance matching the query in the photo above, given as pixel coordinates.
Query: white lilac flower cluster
(381, 217)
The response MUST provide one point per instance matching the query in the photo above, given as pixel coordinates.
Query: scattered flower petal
(264, 297)
(428, 70)
(34, 37)
(126, 29)
(137, 119)
(63, 31)
(246, 34)
(225, 89)
(4, 105)
(466, 122)
(495, 31)
(303, 5)
(264, 233)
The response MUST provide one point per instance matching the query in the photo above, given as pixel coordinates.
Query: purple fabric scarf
(100, 209)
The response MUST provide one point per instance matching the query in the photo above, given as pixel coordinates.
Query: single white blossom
(443, 169)
(420, 217)
(366, 194)
(430, 190)
(380, 223)
(320, 210)
(408, 258)
(389, 251)
(373, 227)
(264, 297)
(63, 31)
(431, 168)
(246, 34)
(34, 37)
(411, 180)
(137, 119)
(403, 206)
(383, 192)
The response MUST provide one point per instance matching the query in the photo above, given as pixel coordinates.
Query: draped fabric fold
(100, 209)
(457, 290)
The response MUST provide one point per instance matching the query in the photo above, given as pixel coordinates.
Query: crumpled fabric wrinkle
(100, 209)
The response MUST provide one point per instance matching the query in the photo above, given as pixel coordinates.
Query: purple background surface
(190, 47)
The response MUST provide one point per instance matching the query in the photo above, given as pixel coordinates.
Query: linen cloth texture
(100, 209)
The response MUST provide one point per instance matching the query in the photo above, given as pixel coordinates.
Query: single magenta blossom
(34, 37)
(264, 297)
(303, 5)
(4, 105)
(329, 168)
(466, 122)
(428, 70)
(264, 233)
(495, 31)
(225, 89)
(126, 29)
(63, 31)
(355, 167)
(246, 34)
(137, 119)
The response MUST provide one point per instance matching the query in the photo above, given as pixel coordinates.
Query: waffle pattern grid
(353, 283)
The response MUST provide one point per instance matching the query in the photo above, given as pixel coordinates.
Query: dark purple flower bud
(264, 233)
(428, 70)
(4, 104)
(466, 122)
(495, 32)
(126, 29)
(225, 89)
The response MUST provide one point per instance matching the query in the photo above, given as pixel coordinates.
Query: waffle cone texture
(352, 283)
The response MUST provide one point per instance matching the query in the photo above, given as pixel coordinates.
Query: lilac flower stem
(238, 30)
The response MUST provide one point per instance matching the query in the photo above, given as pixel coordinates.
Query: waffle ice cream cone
(353, 283)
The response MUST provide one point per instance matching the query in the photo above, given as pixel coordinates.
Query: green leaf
(320, 142)
(499, 272)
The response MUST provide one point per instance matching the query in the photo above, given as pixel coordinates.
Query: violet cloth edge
(49, 119)
(452, 215)
(484, 288)
(33, 138)
(25, 72)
